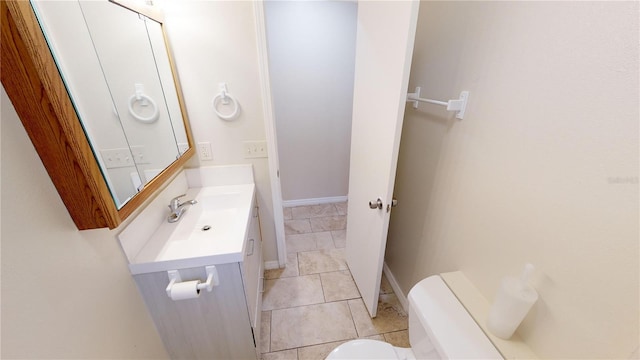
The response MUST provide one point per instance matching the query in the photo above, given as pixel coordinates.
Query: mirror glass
(118, 72)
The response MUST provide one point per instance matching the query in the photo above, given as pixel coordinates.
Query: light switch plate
(116, 158)
(255, 149)
(139, 154)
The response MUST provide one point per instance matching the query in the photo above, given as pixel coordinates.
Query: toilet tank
(441, 328)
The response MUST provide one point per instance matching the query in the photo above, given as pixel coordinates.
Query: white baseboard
(396, 288)
(270, 265)
(314, 201)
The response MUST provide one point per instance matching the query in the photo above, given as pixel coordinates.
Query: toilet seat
(364, 349)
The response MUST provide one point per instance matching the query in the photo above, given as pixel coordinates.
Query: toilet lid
(363, 349)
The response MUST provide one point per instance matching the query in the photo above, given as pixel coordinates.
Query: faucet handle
(178, 197)
(175, 202)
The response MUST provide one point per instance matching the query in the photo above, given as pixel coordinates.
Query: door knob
(376, 204)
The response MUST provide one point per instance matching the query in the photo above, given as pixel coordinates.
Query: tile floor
(313, 305)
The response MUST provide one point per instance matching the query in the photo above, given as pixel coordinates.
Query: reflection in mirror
(117, 70)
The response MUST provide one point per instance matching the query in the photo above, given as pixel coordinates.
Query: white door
(384, 46)
(270, 132)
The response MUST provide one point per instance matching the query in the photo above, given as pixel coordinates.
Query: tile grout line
(324, 297)
(312, 304)
(334, 241)
(270, 327)
(353, 320)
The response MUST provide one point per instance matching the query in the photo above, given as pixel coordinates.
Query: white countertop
(226, 209)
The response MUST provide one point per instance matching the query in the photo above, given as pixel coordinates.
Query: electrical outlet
(204, 151)
(255, 149)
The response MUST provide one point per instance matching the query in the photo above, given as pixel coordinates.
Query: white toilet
(439, 328)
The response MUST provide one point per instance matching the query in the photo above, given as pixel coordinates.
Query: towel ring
(224, 98)
(149, 119)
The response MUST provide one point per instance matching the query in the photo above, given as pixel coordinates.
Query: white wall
(213, 42)
(311, 63)
(65, 293)
(543, 168)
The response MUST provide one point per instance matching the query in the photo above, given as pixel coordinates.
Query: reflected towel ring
(225, 98)
(142, 97)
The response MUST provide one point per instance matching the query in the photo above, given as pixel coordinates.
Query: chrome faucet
(177, 208)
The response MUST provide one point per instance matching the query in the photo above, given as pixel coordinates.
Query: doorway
(311, 56)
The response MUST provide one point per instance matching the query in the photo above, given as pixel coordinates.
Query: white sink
(209, 232)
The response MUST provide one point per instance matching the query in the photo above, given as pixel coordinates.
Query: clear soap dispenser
(513, 301)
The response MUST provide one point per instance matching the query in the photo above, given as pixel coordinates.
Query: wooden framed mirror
(37, 90)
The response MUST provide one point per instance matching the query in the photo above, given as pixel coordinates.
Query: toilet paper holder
(212, 279)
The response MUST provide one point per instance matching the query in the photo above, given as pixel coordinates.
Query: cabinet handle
(250, 247)
(261, 290)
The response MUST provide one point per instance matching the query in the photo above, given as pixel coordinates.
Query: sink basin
(210, 232)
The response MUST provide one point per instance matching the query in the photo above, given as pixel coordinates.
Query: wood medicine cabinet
(33, 82)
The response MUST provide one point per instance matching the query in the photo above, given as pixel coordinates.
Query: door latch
(393, 204)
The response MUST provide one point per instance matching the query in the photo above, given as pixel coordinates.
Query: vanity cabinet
(221, 324)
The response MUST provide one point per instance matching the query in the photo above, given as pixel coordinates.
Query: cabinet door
(252, 271)
(213, 326)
